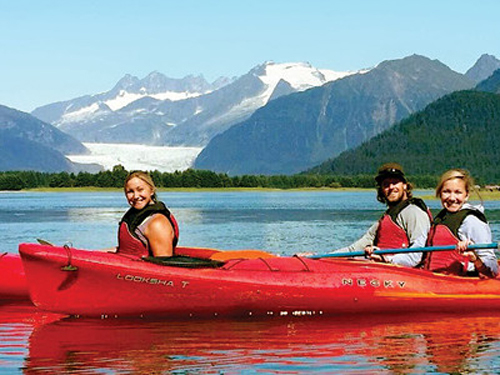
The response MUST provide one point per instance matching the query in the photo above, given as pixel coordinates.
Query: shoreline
(185, 189)
(428, 194)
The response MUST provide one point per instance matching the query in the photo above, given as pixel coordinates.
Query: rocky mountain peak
(483, 68)
(127, 81)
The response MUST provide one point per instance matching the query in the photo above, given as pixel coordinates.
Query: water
(35, 342)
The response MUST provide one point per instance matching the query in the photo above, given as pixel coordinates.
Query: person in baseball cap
(405, 223)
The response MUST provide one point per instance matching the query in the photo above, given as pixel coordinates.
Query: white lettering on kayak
(150, 280)
(373, 282)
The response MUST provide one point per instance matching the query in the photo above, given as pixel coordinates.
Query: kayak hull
(13, 285)
(87, 283)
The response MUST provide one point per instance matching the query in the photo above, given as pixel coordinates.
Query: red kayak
(87, 283)
(13, 285)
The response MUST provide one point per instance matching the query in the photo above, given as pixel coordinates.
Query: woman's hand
(473, 258)
(462, 248)
(369, 253)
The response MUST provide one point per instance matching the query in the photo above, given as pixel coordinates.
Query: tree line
(191, 178)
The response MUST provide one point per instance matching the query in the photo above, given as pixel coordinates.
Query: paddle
(406, 250)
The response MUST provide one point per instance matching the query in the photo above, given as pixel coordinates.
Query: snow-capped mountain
(127, 90)
(158, 110)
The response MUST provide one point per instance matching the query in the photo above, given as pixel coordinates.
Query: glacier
(138, 157)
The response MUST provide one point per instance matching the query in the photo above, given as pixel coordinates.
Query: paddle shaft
(406, 250)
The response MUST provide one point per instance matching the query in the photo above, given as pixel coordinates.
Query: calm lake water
(35, 342)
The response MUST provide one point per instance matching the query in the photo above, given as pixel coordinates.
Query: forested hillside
(459, 130)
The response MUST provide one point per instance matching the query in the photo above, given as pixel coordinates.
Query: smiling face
(454, 194)
(139, 193)
(394, 190)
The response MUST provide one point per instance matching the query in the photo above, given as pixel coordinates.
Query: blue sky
(57, 50)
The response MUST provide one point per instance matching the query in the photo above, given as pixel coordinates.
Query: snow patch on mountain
(81, 114)
(138, 157)
(124, 98)
(301, 76)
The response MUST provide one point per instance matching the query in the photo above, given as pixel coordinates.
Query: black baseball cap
(390, 170)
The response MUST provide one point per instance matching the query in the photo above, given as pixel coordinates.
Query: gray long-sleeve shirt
(414, 221)
(478, 231)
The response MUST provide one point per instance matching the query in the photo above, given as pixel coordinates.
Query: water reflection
(363, 345)
(17, 321)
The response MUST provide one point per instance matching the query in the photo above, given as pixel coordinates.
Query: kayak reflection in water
(462, 224)
(405, 223)
(147, 228)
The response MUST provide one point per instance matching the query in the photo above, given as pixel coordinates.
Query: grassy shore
(97, 189)
(428, 195)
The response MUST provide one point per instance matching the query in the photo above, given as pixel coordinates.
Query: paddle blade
(44, 242)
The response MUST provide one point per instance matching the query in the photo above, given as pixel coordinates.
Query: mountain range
(277, 118)
(299, 131)
(162, 111)
(460, 130)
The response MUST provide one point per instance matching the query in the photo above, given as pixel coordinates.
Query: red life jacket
(129, 242)
(445, 232)
(389, 234)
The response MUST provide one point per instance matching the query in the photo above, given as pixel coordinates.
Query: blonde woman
(462, 224)
(147, 228)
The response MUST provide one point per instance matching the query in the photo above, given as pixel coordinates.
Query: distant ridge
(26, 143)
(492, 84)
(460, 130)
(22, 124)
